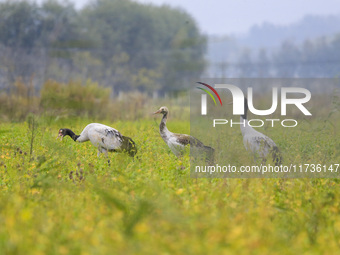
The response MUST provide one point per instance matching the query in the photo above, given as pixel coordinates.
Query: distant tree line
(311, 59)
(119, 43)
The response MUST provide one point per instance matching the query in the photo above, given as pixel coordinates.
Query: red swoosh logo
(213, 90)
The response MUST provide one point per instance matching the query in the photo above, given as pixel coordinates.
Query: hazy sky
(222, 17)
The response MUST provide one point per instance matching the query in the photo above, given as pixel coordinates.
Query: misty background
(159, 46)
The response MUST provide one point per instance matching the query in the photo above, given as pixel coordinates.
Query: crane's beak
(61, 136)
(159, 111)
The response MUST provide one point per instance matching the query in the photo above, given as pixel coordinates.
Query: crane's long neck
(70, 133)
(243, 119)
(244, 116)
(244, 124)
(162, 126)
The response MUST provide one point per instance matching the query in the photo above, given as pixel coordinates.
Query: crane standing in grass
(257, 143)
(105, 138)
(177, 142)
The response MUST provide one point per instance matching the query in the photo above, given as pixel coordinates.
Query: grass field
(64, 200)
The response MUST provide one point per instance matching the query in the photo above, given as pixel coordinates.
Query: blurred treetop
(119, 43)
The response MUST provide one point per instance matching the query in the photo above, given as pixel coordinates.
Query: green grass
(65, 200)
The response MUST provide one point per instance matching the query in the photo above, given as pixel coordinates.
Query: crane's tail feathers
(132, 148)
(209, 154)
(277, 157)
(128, 146)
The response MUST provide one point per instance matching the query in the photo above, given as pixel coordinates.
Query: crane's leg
(106, 155)
(102, 150)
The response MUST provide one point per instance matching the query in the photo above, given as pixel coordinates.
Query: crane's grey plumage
(103, 137)
(260, 145)
(177, 142)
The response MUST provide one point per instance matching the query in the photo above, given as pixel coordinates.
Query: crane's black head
(62, 132)
(65, 131)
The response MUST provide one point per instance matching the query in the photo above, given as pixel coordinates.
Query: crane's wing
(260, 145)
(264, 141)
(188, 139)
(109, 132)
(104, 136)
(264, 146)
(198, 148)
(182, 139)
